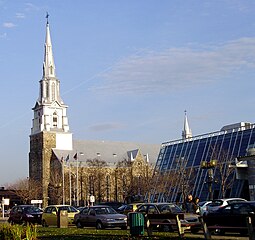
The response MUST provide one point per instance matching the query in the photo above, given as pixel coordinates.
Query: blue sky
(128, 69)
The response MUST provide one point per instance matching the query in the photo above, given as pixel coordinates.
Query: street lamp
(210, 167)
(77, 178)
(116, 179)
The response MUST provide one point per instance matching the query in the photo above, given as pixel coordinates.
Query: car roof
(204, 202)
(59, 205)
(100, 206)
(25, 206)
(227, 199)
(135, 203)
(161, 203)
(244, 202)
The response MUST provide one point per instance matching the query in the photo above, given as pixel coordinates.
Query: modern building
(211, 165)
(54, 154)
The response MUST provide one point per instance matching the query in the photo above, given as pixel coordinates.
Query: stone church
(69, 171)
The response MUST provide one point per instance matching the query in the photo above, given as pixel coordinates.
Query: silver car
(218, 203)
(101, 217)
(203, 207)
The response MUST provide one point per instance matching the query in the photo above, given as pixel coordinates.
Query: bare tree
(123, 180)
(97, 170)
(224, 173)
(133, 179)
(27, 189)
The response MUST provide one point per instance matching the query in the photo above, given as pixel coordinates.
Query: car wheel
(79, 225)
(99, 225)
(167, 228)
(44, 224)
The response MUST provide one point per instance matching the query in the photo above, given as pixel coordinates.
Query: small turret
(186, 133)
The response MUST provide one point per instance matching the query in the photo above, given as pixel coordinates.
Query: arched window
(39, 117)
(53, 91)
(55, 120)
(51, 70)
(47, 89)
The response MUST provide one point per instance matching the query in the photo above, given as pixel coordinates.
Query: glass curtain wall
(178, 170)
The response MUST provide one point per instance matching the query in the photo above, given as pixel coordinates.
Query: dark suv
(24, 214)
(158, 215)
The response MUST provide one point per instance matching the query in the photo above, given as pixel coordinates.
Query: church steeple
(48, 64)
(49, 85)
(186, 133)
(49, 110)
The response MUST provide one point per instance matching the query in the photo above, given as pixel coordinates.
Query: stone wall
(40, 155)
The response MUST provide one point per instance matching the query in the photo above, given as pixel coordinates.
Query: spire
(48, 64)
(186, 133)
(50, 112)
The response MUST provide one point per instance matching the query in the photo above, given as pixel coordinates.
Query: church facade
(67, 169)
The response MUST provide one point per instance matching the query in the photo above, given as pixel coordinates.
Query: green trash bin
(136, 224)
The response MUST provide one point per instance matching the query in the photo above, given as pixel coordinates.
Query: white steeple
(186, 133)
(49, 110)
(48, 65)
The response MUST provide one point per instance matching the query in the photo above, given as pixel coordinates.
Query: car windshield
(121, 208)
(216, 203)
(202, 203)
(68, 209)
(32, 209)
(169, 208)
(105, 210)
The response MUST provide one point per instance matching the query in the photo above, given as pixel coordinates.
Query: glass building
(205, 166)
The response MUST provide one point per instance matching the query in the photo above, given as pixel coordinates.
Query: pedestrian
(196, 208)
(189, 204)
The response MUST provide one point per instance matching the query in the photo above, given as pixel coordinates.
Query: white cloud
(3, 35)
(178, 68)
(9, 25)
(20, 15)
(31, 7)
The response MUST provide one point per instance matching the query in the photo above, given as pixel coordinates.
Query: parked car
(24, 214)
(100, 216)
(190, 220)
(125, 209)
(114, 205)
(49, 216)
(218, 203)
(203, 207)
(231, 218)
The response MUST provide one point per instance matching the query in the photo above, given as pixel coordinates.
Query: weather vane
(47, 16)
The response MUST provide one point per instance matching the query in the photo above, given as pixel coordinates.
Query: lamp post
(99, 176)
(116, 179)
(77, 177)
(210, 167)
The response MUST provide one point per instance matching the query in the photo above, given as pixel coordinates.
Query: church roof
(109, 151)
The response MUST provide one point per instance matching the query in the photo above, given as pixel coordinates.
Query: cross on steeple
(47, 16)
